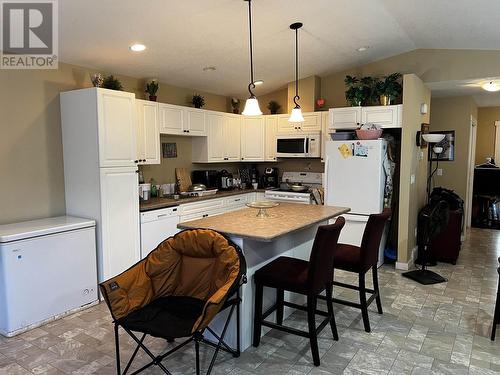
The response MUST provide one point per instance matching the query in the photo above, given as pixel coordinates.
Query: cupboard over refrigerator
(355, 178)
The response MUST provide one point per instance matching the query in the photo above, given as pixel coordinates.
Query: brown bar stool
(359, 260)
(304, 277)
(496, 315)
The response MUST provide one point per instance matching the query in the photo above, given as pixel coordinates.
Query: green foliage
(198, 101)
(273, 107)
(152, 87)
(390, 86)
(360, 91)
(112, 83)
(235, 103)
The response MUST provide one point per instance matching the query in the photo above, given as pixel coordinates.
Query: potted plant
(151, 88)
(368, 87)
(198, 101)
(389, 88)
(273, 107)
(235, 105)
(354, 93)
(112, 83)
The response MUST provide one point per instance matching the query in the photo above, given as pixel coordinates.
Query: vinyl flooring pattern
(440, 329)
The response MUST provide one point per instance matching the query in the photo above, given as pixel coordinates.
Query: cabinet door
(171, 119)
(215, 137)
(344, 118)
(117, 128)
(232, 135)
(312, 122)
(385, 116)
(271, 128)
(325, 135)
(148, 132)
(286, 127)
(195, 122)
(253, 138)
(120, 220)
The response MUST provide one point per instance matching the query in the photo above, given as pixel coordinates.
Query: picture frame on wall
(169, 150)
(448, 145)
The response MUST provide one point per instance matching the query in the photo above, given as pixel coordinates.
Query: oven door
(292, 146)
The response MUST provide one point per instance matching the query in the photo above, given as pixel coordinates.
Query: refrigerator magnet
(360, 150)
(345, 151)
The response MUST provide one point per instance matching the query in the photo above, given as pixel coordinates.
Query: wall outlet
(412, 179)
(439, 172)
(415, 232)
(420, 156)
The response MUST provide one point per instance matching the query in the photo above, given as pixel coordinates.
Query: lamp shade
(296, 115)
(433, 138)
(251, 107)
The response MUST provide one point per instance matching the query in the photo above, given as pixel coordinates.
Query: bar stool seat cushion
(348, 258)
(170, 316)
(284, 273)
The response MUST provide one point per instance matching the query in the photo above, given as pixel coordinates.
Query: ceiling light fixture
(137, 47)
(491, 86)
(258, 82)
(252, 105)
(209, 68)
(362, 49)
(296, 115)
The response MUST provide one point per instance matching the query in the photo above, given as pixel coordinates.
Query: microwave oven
(300, 145)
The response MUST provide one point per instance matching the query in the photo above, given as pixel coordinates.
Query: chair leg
(329, 304)
(117, 348)
(221, 340)
(375, 288)
(362, 301)
(280, 297)
(257, 318)
(496, 318)
(311, 322)
(197, 354)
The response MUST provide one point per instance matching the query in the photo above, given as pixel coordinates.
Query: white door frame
(470, 172)
(497, 142)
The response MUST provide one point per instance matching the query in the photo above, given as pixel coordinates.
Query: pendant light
(252, 105)
(296, 115)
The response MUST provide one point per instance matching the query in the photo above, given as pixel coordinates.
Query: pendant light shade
(252, 105)
(296, 115)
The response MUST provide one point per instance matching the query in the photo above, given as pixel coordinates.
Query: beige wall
(485, 145)
(309, 90)
(412, 196)
(454, 114)
(281, 96)
(31, 159)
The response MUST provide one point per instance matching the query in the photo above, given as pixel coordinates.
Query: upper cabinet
(312, 123)
(232, 135)
(253, 138)
(148, 132)
(271, 125)
(179, 120)
(116, 115)
(325, 135)
(351, 117)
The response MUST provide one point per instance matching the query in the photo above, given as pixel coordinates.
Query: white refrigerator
(355, 178)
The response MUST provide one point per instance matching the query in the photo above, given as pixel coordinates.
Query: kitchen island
(289, 230)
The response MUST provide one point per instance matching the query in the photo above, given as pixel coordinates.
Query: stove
(309, 179)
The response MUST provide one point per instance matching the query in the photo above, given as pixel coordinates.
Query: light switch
(439, 172)
(412, 179)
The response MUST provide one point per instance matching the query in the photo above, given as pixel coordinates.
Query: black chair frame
(232, 303)
(496, 314)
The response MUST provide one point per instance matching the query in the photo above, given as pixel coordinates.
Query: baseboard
(405, 266)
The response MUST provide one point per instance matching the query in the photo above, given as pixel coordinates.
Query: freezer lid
(41, 227)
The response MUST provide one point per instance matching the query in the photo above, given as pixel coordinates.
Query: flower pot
(236, 111)
(152, 98)
(385, 100)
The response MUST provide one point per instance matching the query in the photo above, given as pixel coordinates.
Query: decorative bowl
(262, 206)
(367, 134)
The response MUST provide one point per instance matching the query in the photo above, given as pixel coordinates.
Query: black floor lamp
(432, 219)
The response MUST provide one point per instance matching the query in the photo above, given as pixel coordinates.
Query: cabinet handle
(136, 161)
(237, 200)
(187, 131)
(242, 158)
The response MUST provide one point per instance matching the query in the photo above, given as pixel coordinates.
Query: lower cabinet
(211, 207)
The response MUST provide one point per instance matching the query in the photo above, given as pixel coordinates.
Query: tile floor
(440, 329)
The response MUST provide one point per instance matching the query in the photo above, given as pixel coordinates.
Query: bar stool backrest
(371, 238)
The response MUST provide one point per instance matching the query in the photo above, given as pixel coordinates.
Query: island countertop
(283, 219)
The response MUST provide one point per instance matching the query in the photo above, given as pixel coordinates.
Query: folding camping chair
(175, 292)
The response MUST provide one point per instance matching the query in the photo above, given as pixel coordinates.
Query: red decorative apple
(320, 102)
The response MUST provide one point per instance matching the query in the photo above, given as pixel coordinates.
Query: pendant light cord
(251, 85)
(296, 97)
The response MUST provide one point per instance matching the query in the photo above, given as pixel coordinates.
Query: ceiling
(467, 88)
(182, 37)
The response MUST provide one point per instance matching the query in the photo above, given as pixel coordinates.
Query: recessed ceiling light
(137, 47)
(209, 68)
(491, 86)
(258, 82)
(362, 49)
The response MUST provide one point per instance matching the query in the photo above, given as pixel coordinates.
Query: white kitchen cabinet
(236, 202)
(117, 128)
(232, 136)
(344, 118)
(389, 116)
(171, 119)
(271, 130)
(351, 117)
(148, 132)
(253, 138)
(195, 122)
(312, 123)
(325, 134)
(120, 214)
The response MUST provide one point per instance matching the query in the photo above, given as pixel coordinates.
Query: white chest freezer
(47, 270)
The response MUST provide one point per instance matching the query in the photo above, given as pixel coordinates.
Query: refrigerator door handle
(325, 180)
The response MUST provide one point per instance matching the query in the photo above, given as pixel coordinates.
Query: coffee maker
(270, 178)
